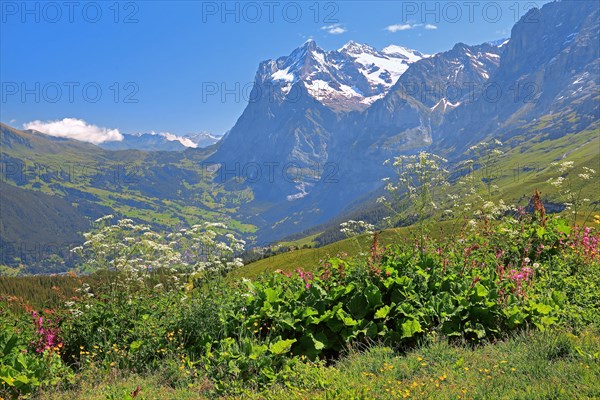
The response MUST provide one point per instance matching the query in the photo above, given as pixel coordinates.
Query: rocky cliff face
(547, 80)
(447, 78)
(297, 105)
(336, 116)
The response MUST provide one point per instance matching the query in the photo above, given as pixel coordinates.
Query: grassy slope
(310, 258)
(528, 366)
(85, 181)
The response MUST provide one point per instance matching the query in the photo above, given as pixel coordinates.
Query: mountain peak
(310, 44)
(409, 55)
(353, 47)
(352, 77)
(498, 42)
(460, 46)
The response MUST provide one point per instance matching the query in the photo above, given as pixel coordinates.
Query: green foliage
(133, 333)
(164, 305)
(477, 289)
(23, 370)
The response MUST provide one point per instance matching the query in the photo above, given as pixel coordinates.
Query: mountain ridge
(296, 159)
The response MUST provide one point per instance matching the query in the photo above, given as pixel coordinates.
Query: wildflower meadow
(504, 304)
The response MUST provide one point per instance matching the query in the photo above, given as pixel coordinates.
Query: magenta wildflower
(48, 337)
(306, 276)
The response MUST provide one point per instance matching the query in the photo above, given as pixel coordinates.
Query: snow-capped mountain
(350, 78)
(333, 117)
(163, 141)
(202, 139)
(325, 105)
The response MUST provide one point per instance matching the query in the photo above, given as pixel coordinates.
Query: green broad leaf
(136, 345)
(389, 281)
(480, 290)
(481, 333)
(21, 361)
(311, 344)
(478, 330)
(349, 334)
(382, 312)
(410, 328)
(22, 378)
(373, 296)
(335, 324)
(319, 345)
(349, 288)
(345, 318)
(326, 316)
(371, 330)
(402, 280)
(317, 290)
(287, 323)
(271, 295)
(258, 351)
(10, 344)
(543, 309)
(269, 373)
(309, 311)
(358, 306)
(282, 346)
(547, 321)
(406, 308)
(558, 297)
(540, 231)
(10, 381)
(562, 227)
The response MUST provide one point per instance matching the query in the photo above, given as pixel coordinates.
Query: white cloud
(399, 27)
(12, 121)
(184, 141)
(75, 129)
(408, 26)
(335, 29)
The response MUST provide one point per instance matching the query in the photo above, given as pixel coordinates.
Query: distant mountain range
(311, 144)
(162, 141)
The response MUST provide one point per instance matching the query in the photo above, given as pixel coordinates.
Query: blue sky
(142, 66)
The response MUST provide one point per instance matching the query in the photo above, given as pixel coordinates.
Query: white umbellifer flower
(589, 170)
(354, 228)
(106, 217)
(556, 182)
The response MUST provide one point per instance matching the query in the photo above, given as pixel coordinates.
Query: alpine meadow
(347, 221)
